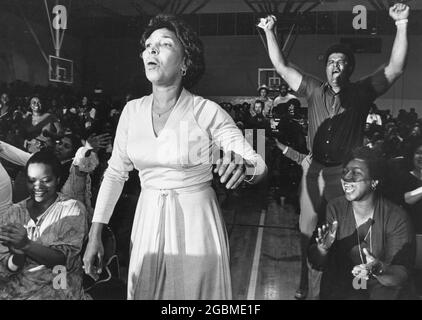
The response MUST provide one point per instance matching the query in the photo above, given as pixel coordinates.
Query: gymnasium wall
(20, 56)
(232, 64)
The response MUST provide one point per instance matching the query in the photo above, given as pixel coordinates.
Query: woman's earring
(183, 72)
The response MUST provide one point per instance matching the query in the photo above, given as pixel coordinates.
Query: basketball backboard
(60, 70)
(269, 77)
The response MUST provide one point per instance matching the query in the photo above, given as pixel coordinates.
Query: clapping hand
(365, 270)
(399, 11)
(232, 166)
(268, 23)
(14, 236)
(326, 236)
(361, 272)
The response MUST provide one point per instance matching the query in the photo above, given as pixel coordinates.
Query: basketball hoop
(59, 69)
(269, 77)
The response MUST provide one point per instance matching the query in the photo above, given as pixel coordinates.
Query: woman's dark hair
(48, 158)
(373, 159)
(192, 45)
(35, 95)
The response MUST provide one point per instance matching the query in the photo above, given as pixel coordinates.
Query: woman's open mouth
(39, 193)
(152, 64)
(348, 187)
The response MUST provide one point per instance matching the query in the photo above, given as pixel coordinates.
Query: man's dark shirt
(337, 121)
(260, 122)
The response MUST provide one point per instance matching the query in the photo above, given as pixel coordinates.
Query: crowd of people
(398, 139)
(339, 160)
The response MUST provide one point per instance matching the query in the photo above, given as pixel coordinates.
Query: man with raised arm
(337, 111)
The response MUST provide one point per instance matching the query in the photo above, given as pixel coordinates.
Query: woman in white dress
(179, 244)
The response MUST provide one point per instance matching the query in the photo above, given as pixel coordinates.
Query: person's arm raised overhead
(399, 12)
(292, 76)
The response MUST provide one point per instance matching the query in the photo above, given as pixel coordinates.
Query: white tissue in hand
(85, 163)
(262, 22)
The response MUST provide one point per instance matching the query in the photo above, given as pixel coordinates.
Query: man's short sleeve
(375, 84)
(307, 86)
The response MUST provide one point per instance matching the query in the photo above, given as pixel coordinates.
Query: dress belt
(171, 242)
(189, 189)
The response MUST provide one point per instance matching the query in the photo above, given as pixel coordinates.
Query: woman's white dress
(16, 156)
(179, 244)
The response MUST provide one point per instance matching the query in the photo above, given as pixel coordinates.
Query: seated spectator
(373, 117)
(40, 233)
(366, 239)
(86, 113)
(413, 116)
(6, 113)
(41, 128)
(403, 116)
(387, 116)
(74, 182)
(393, 144)
(258, 121)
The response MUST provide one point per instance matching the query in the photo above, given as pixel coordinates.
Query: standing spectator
(263, 92)
(413, 116)
(179, 242)
(283, 101)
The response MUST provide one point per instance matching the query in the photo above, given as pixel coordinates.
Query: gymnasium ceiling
(91, 8)
(92, 16)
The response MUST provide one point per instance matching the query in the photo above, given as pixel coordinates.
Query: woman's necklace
(364, 239)
(159, 115)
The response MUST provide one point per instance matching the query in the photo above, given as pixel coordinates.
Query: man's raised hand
(268, 23)
(399, 11)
